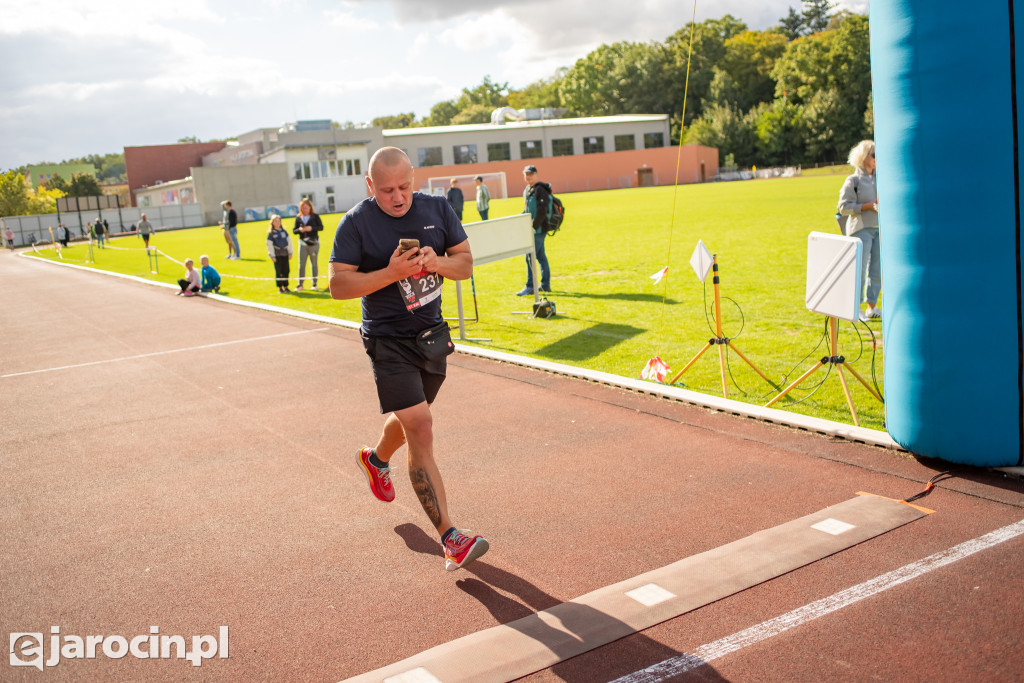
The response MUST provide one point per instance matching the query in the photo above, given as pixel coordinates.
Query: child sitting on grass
(191, 283)
(211, 278)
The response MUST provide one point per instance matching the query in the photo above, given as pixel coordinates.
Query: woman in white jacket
(858, 201)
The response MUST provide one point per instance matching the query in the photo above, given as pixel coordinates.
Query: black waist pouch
(435, 342)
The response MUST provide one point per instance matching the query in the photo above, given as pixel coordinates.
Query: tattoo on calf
(425, 492)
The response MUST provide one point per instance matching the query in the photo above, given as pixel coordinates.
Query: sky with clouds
(92, 77)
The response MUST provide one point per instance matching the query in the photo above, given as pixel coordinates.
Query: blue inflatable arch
(946, 82)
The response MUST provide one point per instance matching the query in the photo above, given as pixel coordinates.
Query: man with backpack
(537, 202)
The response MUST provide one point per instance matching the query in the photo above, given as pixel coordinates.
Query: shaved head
(387, 157)
(390, 179)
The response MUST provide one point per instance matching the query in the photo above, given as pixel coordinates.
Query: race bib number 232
(420, 289)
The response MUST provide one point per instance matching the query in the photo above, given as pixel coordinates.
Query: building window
(429, 156)
(464, 154)
(499, 151)
(593, 145)
(530, 149)
(625, 143)
(358, 172)
(562, 147)
(652, 140)
(298, 171)
(329, 189)
(316, 170)
(333, 165)
(323, 169)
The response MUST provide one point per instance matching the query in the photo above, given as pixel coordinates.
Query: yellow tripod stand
(839, 362)
(721, 341)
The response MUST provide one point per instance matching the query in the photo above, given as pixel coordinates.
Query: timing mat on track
(543, 639)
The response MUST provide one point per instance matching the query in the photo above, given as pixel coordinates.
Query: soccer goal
(495, 182)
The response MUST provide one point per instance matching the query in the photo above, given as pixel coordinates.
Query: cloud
(350, 21)
(86, 78)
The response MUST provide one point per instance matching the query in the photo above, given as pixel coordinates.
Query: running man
(403, 331)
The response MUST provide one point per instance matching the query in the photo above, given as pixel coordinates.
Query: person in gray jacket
(858, 201)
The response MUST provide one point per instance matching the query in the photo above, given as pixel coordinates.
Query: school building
(269, 170)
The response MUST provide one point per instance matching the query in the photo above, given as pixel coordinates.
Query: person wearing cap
(483, 197)
(455, 198)
(537, 203)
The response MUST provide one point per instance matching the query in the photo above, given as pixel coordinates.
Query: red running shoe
(380, 479)
(460, 549)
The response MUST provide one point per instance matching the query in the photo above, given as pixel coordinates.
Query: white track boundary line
(160, 353)
(873, 437)
(773, 627)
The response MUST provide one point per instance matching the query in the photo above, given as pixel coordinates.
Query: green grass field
(611, 316)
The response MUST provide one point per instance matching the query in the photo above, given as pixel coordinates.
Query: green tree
(828, 74)
(84, 185)
(869, 118)
(14, 195)
(732, 132)
(780, 133)
(441, 114)
(43, 201)
(792, 25)
(488, 94)
(56, 182)
(816, 14)
(539, 94)
(749, 58)
(474, 113)
(622, 78)
(113, 168)
(708, 50)
(396, 121)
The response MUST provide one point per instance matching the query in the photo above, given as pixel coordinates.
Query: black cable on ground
(941, 476)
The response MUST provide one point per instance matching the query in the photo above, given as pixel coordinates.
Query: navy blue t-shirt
(367, 237)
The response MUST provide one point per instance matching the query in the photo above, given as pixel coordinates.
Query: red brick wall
(585, 172)
(146, 165)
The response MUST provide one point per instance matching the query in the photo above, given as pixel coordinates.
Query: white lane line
(773, 627)
(163, 353)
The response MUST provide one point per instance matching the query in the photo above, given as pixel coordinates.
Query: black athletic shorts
(403, 375)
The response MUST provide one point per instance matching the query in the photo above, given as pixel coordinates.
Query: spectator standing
(210, 276)
(403, 331)
(230, 223)
(279, 247)
(191, 284)
(308, 227)
(100, 234)
(455, 198)
(145, 229)
(537, 203)
(9, 236)
(65, 234)
(858, 200)
(483, 198)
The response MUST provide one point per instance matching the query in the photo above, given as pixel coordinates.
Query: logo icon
(27, 650)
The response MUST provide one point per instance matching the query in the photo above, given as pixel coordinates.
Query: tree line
(18, 198)
(796, 93)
